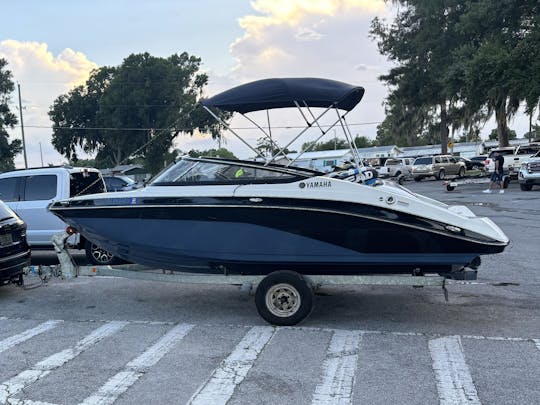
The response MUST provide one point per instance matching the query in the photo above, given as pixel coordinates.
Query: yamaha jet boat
(213, 215)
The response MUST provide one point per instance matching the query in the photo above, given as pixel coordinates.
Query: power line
(176, 129)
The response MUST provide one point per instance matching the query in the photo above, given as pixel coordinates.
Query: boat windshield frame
(188, 171)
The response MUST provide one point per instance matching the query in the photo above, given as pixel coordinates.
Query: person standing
(498, 175)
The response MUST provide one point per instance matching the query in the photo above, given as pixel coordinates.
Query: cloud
(43, 77)
(311, 38)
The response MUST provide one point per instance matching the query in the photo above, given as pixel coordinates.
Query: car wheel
(441, 174)
(525, 187)
(461, 172)
(284, 298)
(99, 256)
(398, 173)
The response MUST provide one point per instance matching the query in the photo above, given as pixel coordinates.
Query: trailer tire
(284, 298)
(506, 181)
(449, 187)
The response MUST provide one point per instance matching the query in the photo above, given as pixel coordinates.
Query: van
(29, 192)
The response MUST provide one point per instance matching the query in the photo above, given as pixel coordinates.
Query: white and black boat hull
(237, 235)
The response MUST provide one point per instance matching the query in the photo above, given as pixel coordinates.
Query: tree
(221, 152)
(8, 150)
(331, 144)
(533, 134)
(494, 134)
(420, 41)
(270, 148)
(134, 110)
(498, 62)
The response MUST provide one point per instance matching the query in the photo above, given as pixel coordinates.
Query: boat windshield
(190, 172)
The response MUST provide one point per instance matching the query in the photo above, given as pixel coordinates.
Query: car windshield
(203, 172)
(423, 161)
(393, 162)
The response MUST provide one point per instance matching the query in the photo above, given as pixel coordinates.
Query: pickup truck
(29, 193)
(529, 173)
(513, 157)
(395, 167)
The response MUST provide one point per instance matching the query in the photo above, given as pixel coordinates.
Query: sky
(51, 46)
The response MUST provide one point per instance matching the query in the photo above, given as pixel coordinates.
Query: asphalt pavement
(111, 340)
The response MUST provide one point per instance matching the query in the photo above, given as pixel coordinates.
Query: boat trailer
(452, 184)
(282, 298)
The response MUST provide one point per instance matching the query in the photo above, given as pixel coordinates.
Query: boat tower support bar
(324, 132)
(268, 136)
(232, 131)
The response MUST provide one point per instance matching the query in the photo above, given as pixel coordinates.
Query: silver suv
(438, 166)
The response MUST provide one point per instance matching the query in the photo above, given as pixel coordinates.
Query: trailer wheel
(449, 187)
(506, 181)
(284, 298)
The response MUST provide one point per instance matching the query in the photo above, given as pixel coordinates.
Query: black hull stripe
(467, 236)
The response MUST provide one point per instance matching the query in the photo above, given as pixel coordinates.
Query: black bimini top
(282, 93)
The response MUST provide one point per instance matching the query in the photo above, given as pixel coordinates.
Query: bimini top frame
(302, 93)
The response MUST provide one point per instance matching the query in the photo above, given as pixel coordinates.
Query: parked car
(480, 158)
(529, 173)
(14, 250)
(513, 157)
(438, 166)
(29, 193)
(507, 153)
(471, 164)
(120, 183)
(396, 167)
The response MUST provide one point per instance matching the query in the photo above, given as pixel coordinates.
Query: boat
(224, 216)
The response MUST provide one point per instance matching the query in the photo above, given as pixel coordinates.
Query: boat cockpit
(209, 171)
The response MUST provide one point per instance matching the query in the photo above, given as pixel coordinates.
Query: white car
(29, 193)
(513, 157)
(395, 167)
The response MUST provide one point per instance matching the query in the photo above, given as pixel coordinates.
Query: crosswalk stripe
(14, 340)
(120, 382)
(454, 381)
(232, 371)
(46, 366)
(339, 369)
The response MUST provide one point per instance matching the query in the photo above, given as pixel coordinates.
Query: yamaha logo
(315, 184)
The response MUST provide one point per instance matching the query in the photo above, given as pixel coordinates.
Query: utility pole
(41, 154)
(22, 128)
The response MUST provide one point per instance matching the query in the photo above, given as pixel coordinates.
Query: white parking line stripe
(44, 367)
(454, 381)
(537, 343)
(339, 369)
(119, 383)
(14, 340)
(232, 371)
(15, 401)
